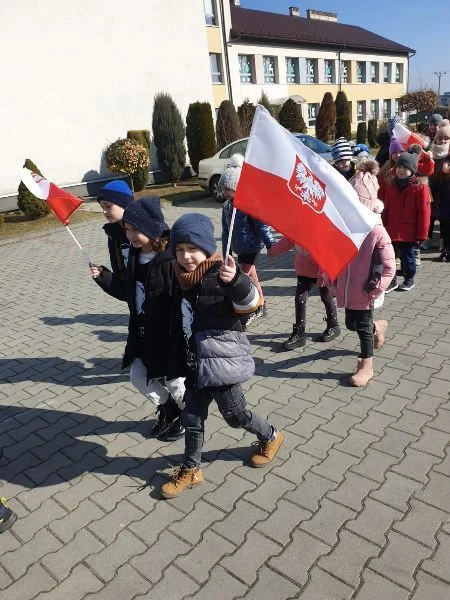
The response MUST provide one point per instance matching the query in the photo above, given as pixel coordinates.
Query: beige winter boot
(380, 332)
(363, 373)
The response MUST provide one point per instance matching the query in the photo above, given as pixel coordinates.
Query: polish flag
(407, 137)
(62, 203)
(288, 186)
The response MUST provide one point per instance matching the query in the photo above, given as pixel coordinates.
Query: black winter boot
(331, 332)
(296, 339)
(175, 432)
(167, 413)
(174, 429)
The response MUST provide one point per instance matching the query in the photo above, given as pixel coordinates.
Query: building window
(210, 12)
(397, 106)
(386, 109)
(292, 70)
(311, 70)
(374, 72)
(374, 109)
(361, 110)
(246, 69)
(387, 72)
(398, 73)
(216, 68)
(345, 71)
(313, 109)
(329, 71)
(269, 69)
(361, 72)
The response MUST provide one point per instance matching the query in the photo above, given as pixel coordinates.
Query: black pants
(304, 286)
(361, 321)
(445, 233)
(233, 408)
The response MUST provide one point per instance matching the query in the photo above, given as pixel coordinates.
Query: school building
(78, 75)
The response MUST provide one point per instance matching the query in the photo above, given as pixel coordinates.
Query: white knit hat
(230, 177)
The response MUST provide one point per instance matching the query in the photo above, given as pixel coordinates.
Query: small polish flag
(62, 203)
(407, 137)
(288, 186)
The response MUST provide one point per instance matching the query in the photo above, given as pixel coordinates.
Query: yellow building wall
(219, 93)
(314, 93)
(214, 39)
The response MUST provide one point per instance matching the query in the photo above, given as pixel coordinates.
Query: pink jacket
(303, 263)
(350, 292)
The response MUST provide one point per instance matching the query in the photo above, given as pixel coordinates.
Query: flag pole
(85, 254)
(230, 233)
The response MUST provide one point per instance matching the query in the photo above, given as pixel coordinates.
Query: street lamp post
(439, 75)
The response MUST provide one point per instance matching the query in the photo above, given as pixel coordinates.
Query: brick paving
(355, 506)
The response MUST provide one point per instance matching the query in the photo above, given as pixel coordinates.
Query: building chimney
(235, 2)
(321, 15)
(294, 11)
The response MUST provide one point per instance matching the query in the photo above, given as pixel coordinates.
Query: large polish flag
(288, 186)
(62, 203)
(407, 137)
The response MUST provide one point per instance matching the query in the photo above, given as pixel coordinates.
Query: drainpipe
(225, 48)
(413, 52)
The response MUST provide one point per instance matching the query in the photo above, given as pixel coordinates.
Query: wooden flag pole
(85, 254)
(230, 233)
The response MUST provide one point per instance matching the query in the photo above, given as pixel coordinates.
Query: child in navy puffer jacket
(249, 235)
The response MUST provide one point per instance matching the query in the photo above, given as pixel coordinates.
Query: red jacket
(406, 213)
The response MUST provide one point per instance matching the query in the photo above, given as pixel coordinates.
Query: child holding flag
(362, 285)
(249, 236)
(114, 198)
(149, 288)
(213, 347)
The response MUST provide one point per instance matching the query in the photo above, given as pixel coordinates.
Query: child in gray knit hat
(249, 236)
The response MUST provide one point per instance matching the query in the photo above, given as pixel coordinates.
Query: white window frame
(345, 71)
(361, 116)
(218, 66)
(270, 77)
(398, 72)
(360, 78)
(375, 104)
(311, 74)
(250, 74)
(387, 77)
(374, 72)
(289, 76)
(313, 110)
(386, 108)
(210, 9)
(328, 65)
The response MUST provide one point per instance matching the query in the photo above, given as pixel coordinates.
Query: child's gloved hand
(228, 270)
(96, 271)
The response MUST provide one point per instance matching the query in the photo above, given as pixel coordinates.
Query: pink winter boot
(363, 373)
(380, 332)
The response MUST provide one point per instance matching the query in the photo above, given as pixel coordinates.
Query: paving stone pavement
(355, 506)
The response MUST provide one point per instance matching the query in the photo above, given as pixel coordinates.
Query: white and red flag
(407, 137)
(62, 203)
(288, 186)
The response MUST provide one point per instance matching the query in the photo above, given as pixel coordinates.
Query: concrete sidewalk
(356, 504)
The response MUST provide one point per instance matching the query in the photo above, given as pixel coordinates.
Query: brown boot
(380, 332)
(181, 480)
(266, 451)
(363, 373)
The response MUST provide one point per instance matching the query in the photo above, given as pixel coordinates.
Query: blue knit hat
(146, 215)
(196, 229)
(116, 192)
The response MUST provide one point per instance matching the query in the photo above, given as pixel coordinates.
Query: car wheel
(214, 189)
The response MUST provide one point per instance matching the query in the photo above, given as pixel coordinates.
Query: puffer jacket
(353, 284)
(303, 263)
(249, 235)
(209, 333)
(406, 213)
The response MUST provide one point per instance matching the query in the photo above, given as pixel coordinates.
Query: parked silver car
(210, 169)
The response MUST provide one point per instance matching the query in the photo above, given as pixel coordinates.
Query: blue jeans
(232, 406)
(407, 258)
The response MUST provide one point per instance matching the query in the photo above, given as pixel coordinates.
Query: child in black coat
(149, 288)
(215, 350)
(114, 198)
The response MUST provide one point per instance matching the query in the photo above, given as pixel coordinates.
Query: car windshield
(314, 144)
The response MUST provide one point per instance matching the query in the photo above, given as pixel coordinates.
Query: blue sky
(423, 26)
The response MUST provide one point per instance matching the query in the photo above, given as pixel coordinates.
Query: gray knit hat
(436, 118)
(409, 160)
(230, 177)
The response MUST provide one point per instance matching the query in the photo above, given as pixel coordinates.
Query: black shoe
(331, 332)
(7, 516)
(174, 433)
(163, 424)
(407, 285)
(392, 286)
(297, 339)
